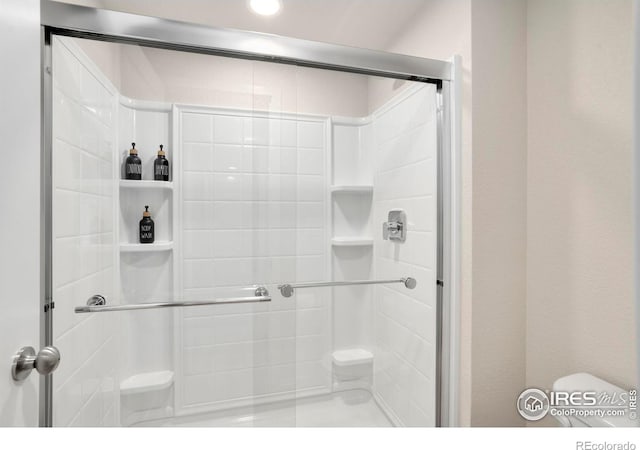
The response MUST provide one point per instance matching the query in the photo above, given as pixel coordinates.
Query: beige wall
(498, 36)
(579, 222)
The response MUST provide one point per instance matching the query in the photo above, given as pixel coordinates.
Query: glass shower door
(85, 386)
(279, 175)
(224, 232)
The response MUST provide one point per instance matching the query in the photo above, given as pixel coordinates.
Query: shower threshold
(353, 408)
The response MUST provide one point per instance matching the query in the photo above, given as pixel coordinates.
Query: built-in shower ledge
(161, 246)
(352, 189)
(146, 184)
(146, 382)
(351, 242)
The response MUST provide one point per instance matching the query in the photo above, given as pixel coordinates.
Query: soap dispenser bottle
(161, 166)
(147, 232)
(133, 165)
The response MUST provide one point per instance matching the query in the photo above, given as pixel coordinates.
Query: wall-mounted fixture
(265, 7)
(395, 229)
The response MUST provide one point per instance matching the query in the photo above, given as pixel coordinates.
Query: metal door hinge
(440, 283)
(49, 306)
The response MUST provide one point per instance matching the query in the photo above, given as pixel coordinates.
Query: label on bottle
(134, 169)
(162, 171)
(146, 232)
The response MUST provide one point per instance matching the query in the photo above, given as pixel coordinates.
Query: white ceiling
(359, 23)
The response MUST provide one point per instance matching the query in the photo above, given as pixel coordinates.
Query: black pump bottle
(161, 166)
(133, 165)
(147, 232)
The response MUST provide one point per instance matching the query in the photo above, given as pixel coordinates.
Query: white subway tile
(228, 130)
(66, 213)
(275, 352)
(311, 161)
(311, 134)
(66, 256)
(236, 328)
(197, 273)
(90, 174)
(312, 374)
(67, 165)
(231, 158)
(275, 379)
(197, 157)
(234, 356)
(310, 348)
(310, 268)
(311, 188)
(257, 131)
(198, 244)
(309, 241)
(310, 322)
(199, 360)
(283, 160)
(198, 186)
(269, 242)
(198, 215)
(311, 215)
(288, 133)
(232, 272)
(281, 215)
(232, 243)
(232, 186)
(69, 401)
(415, 180)
(410, 148)
(233, 215)
(197, 127)
(280, 188)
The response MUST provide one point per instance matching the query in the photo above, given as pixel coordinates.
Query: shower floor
(355, 408)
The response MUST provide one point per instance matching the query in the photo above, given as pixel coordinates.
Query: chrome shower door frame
(111, 26)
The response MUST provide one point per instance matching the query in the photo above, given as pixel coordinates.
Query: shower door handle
(25, 360)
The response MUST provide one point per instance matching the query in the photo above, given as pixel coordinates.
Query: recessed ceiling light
(265, 7)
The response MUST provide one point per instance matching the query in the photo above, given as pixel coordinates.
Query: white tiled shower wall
(84, 130)
(404, 320)
(253, 199)
(253, 191)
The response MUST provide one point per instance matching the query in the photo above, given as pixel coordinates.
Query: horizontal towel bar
(287, 289)
(97, 303)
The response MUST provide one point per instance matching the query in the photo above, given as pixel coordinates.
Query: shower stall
(301, 268)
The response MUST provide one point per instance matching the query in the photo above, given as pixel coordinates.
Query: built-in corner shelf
(146, 184)
(351, 242)
(146, 382)
(352, 189)
(160, 246)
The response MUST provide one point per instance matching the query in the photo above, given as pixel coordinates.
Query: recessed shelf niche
(132, 203)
